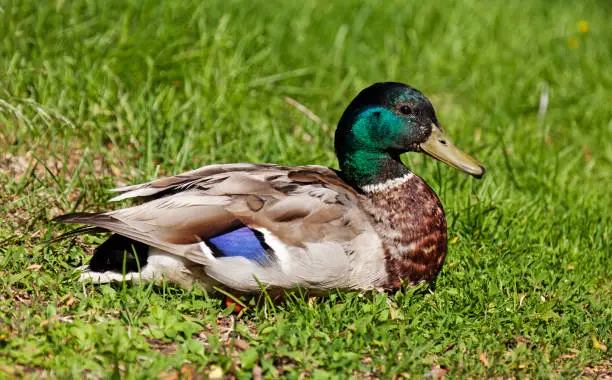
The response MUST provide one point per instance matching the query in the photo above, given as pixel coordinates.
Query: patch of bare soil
(14, 166)
(599, 372)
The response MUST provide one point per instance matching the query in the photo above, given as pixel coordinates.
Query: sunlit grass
(95, 94)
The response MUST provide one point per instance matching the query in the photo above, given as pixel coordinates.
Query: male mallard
(371, 225)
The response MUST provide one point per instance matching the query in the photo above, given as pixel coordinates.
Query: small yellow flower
(583, 26)
(572, 42)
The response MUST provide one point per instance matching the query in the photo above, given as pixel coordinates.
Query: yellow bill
(439, 147)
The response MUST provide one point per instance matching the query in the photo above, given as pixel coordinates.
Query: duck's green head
(386, 120)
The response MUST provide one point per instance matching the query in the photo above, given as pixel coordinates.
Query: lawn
(98, 94)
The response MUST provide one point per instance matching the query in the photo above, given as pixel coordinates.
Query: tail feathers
(80, 218)
(86, 230)
(107, 222)
(106, 277)
(159, 266)
(93, 218)
(118, 254)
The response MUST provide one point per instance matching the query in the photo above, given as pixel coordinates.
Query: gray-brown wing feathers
(296, 204)
(218, 180)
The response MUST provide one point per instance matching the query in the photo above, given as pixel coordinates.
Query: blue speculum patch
(243, 242)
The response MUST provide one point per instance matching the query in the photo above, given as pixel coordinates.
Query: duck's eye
(406, 110)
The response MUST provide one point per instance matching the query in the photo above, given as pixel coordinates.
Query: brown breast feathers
(409, 218)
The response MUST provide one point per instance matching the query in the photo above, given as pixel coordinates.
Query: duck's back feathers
(260, 179)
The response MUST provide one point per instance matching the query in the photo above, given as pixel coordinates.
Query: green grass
(95, 94)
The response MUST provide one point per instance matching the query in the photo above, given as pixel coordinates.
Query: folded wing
(234, 205)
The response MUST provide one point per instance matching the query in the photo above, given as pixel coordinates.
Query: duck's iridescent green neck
(363, 167)
(359, 141)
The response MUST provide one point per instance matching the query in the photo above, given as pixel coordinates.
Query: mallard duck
(372, 225)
